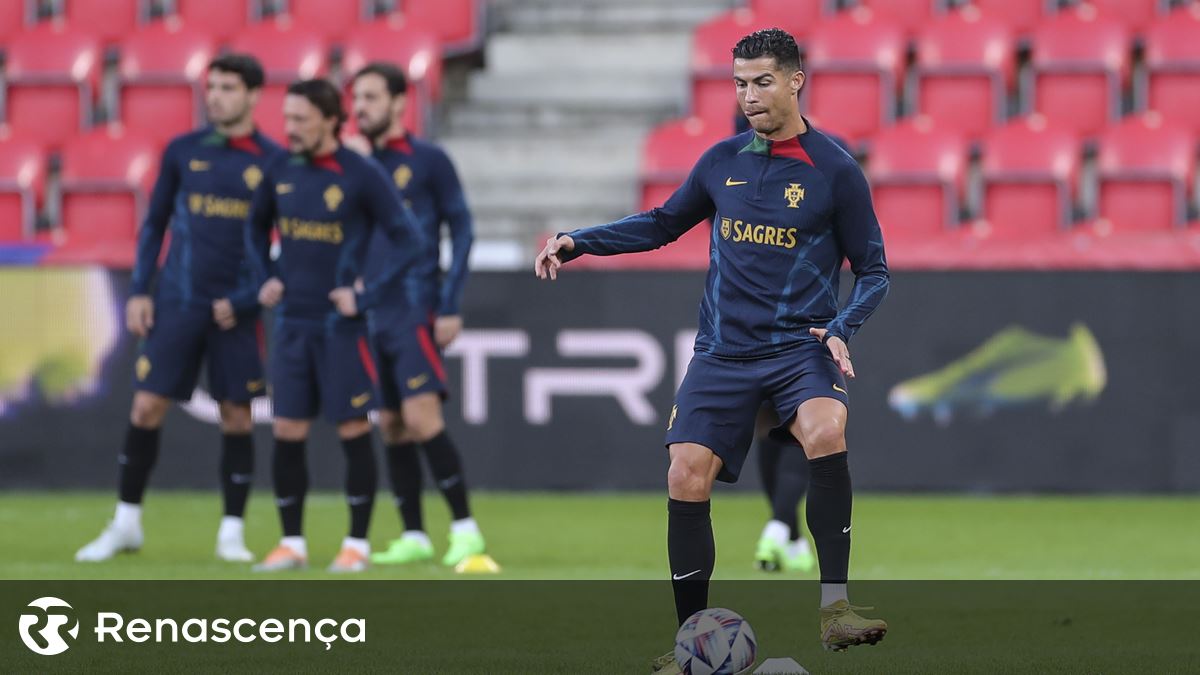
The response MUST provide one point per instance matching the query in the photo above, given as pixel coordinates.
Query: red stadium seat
(1144, 167)
(50, 75)
(415, 48)
(334, 20)
(107, 19)
(287, 54)
(22, 184)
(1080, 62)
(1136, 14)
(908, 14)
(965, 66)
(1020, 15)
(854, 65)
(160, 73)
(794, 16)
(458, 23)
(916, 173)
(106, 182)
(222, 19)
(1029, 175)
(670, 152)
(12, 18)
(1172, 84)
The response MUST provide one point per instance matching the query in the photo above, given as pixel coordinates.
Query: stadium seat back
(965, 64)
(1080, 61)
(416, 49)
(287, 54)
(672, 149)
(161, 73)
(916, 174)
(1172, 55)
(1136, 14)
(788, 14)
(908, 14)
(458, 23)
(22, 183)
(106, 182)
(222, 19)
(1029, 171)
(107, 19)
(334, 20)
(1020, 15)
(12, 18)
(50, 73)
(1144, 166)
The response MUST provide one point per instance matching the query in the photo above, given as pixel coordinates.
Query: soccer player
(784, 472)
(788, 206)
(326, 202)
(415, 316)
(204, 307)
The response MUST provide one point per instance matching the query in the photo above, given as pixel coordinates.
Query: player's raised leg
(820, 426)
(137, 458)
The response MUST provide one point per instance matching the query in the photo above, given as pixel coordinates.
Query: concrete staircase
(548, 135)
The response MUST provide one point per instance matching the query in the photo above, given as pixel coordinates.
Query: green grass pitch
(623, 536)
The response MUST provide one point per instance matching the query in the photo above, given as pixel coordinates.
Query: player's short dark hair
(773, 42)
(322, 94)
(397, 84)
(244, 66)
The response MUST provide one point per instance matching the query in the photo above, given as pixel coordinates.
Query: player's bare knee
(823, 439)
(423, 417)
(290, 430)
(236, 418)
(148, 410)
(690, 476)
(353, 428)
(391, 427)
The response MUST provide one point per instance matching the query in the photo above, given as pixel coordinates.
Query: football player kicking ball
(788, 206)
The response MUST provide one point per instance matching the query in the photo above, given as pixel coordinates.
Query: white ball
(715, 642)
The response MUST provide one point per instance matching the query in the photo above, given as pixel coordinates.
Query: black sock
(692, 553)
(362, 480)
(791, 482)
(136, 461)
(404, 469)
(447, 471)
(829, 505)
(237, 471)
(768, 466)
(289, 468)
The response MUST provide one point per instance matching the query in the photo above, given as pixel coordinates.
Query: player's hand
(445, 329)
(223, 314)
(359, 144)
(271, 293)
(548, 262)
(837, 347)
(139, 315)
(343, 298)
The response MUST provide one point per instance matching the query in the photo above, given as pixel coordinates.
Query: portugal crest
(143, 368)
(195, 202)
(794, 194)
(253, 176)
(333, 197)
(402, 175)
(726, 227)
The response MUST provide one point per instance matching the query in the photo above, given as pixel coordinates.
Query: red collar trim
(401, 144)
(790, 148)
(327, 162)
(246, 144)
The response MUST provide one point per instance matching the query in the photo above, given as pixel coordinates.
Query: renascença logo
(42, 629)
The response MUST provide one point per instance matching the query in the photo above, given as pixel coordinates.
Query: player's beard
(373, 131)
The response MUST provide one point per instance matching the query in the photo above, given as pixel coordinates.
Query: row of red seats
(52, 74)
(458, 23)
(1030, 174)
(966, 63)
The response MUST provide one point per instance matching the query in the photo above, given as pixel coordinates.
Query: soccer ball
(715, 642)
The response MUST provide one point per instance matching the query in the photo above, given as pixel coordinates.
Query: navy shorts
(718, 401)
(169, 360)
(322, 368)
(409, 362)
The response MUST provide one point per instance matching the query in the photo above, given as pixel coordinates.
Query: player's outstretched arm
(549, 261)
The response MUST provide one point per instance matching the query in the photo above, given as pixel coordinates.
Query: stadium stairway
(550, 132)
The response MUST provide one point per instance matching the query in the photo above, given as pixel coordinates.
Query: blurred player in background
(326, 202)
(415, 315)
(784, 472)
(205, 305)
(790, 206)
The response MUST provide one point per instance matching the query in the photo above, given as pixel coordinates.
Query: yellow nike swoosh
(416, 382)
(283, 188)
(198, 165)
(837, 388)
(360, 400)
(254, 385)
(729, 182)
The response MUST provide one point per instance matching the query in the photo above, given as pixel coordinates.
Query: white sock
(361, 545)
(418, 536)
(297, 544)
(798, 547)
(831, 593)
(128, 516)
(232, 527)
(777, 531)
(466, 525)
